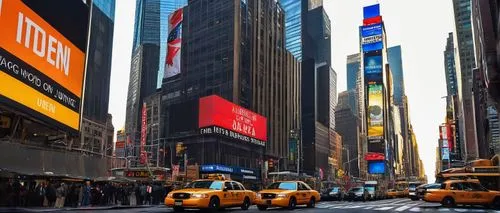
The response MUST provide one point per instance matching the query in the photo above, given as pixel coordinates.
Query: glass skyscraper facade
(396, 66)
(107, 7)
(293, 26)
(147, 23)
(166, 8)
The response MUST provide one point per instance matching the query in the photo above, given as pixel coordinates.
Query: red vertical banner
(144, 124)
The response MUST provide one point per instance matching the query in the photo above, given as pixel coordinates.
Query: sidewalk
(90, 208)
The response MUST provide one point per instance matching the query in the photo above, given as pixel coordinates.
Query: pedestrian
(86, 194)
(51, 195)
(61, 196)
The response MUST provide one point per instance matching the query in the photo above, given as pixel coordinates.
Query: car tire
(448, 202)
(312, 203)
(246, 204)
(214, 204)
(261, 208)
(178, 209)
(496, 203)
(414, 198)
(292, 203)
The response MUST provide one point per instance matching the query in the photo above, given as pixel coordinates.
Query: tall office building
(395, 60)
(485, 20)
(450, 73)
(97, 128)
(166, 9)
(348, 126)
(353, 72)
(293, 25)
(465, 63)
(144, 63)
(243, 60)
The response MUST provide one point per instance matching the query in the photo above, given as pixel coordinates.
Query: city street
(390, 205)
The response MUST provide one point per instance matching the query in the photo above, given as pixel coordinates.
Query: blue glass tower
(107, 7)
(396, 66)
(353, 71)
(147, 23)
(293, 26)
(166, 8)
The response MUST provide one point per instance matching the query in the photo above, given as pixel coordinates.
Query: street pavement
(390, 205)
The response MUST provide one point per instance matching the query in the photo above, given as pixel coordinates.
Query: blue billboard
(371, 11)
(376, 167)
(373, 64)
(371, 30)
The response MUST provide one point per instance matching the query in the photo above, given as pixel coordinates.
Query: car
(358, 193)
(412, 190)
(466, 192)
(211, 195)
(333, 193)
(423, 188)
(287, 194)
(391, 193)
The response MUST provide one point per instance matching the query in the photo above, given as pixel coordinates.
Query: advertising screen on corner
(376, 167)
(43, 57)
(220, 116)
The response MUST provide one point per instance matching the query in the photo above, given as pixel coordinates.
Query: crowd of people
(59, 194)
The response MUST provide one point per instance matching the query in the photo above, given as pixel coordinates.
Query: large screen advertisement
(373, 65)
(42, 59)
(376, 167)
(375, 112)
(371, 30)
(222, 117)
(174, 44)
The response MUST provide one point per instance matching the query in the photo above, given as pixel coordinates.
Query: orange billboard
(40, 68)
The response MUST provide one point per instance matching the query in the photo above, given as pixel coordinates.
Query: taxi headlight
(199, 196)
(169, 195)
(281, 196)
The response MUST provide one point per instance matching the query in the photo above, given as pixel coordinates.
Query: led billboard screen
(375, 112)
(372, 20)
(174, 44)
(42, 56)
(219, 116)
(371, 11)
(376, 167)
(373, 64)
(371, 30)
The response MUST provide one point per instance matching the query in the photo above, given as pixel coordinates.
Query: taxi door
(476, 194)
(227, 195)
(238, 194)
(458, 193)
(304, 194)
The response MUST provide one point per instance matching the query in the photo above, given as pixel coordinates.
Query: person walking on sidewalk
(51, 195)
(61, 196)
(86, 194)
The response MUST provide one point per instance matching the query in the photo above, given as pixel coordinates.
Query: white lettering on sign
(42, 44)
(372, 39)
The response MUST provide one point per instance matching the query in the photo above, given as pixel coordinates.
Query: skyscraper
(97, 128)
(465, 62)
(449, 66)
(348, 126)
(353, 75)
(166, 9)
(144, 63)
(98, 75)
(396, 65)
(293, 25)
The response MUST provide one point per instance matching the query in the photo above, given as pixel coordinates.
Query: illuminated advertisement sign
(375, 112)
(144, 129)
(445, 153)
(371, 30)
(219, 116)
(373, 156)
(372, 20)
(174, 44)
(376, 167)
(373, 64)
(372, 43)
(42, 60)
(371, 11)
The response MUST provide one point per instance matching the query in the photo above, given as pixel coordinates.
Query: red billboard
(372, 20)
(220, 116)
(374, 156)
(144, 126)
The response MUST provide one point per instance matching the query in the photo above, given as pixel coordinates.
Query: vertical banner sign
(174, 44)
(292, 145)
(375, 113)
(42, 60)
(143, 134)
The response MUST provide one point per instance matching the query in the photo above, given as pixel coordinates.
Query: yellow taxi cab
(210, 195)
(287, 194)
(392, 193)
(469, 192)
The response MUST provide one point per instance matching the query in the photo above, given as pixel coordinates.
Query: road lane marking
(405, 207)
(415, 209)
(444, 210)
(369, 207)
(384, 208)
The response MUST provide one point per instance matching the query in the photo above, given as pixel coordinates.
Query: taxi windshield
(283, 185)
(217, 185)
(370, 188)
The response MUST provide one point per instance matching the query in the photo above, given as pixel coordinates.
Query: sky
(420, 27)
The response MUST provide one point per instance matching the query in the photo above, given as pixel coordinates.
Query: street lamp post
(348, 160)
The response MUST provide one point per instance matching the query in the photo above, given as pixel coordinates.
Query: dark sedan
(357, 193)
(334, 193)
